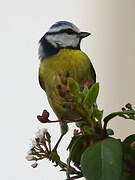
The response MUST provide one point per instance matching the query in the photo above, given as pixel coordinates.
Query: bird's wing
(93, 73)
(41, 82)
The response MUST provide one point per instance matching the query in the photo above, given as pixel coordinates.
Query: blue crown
(60, 23)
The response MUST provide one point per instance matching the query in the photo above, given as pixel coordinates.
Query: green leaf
(73, 86)
(81, 111)
(88, 130)
(48, 136)
(85, 90)
(72, 145)
(79, 97)
(127, 142)
(128, 152)
(127, 176)
(74, 138)
(98, 115)
(91, 96)
(67, 104)
(78, 146)
(102, 160)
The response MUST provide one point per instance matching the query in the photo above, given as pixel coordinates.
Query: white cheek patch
(63, 40)
(52, 39)
(69, 40)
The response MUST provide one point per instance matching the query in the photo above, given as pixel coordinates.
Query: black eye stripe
(68, 31)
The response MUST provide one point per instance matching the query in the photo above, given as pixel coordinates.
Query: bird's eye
(70, 31)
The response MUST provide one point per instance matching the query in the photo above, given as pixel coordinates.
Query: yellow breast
(75, 63)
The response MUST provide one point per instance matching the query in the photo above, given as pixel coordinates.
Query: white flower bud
(40, 133)
(33, 143)
(29, 152)
(29, 157)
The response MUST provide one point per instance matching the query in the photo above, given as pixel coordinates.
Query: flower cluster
(86, 142)
(40, 146)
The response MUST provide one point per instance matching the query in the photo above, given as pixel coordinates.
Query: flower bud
(123, 109)
(34, 165)
(129, 106)
(29, 157)
(45, 114)
(40, 133)
(30, 152)
(87, 84)
(33, 143)
(44, 117)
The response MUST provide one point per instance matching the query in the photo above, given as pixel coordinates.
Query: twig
(65, 120)
(72, 169)
(75, 177)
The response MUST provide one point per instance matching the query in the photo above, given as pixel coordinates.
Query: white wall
(111, 48)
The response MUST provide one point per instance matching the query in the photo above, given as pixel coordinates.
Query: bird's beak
(84, 34)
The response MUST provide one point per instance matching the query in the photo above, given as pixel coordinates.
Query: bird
(60, 53)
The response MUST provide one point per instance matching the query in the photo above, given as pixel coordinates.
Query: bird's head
(62, 34)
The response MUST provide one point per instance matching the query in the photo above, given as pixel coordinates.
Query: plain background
(111, 48)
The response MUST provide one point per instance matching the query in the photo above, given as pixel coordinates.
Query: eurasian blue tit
(60, 53)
